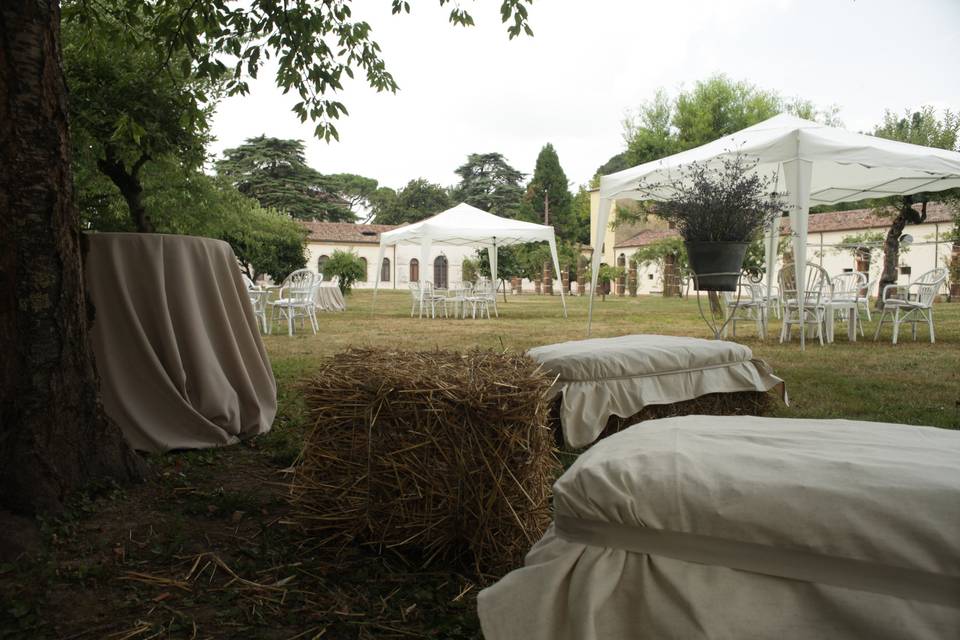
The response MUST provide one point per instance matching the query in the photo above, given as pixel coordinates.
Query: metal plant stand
(718, 318)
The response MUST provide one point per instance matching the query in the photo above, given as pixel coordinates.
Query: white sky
(471, 90)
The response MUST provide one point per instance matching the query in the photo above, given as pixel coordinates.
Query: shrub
(348, 266)
(470, 269)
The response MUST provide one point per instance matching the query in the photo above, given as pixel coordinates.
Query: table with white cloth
(330, 298)
(176, 341)
(745, 528)
(602, 377)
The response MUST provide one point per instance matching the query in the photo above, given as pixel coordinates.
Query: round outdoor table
(176, 341)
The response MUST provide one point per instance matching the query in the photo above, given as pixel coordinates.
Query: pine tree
(548, 197)
(489, 183)
(276, 174)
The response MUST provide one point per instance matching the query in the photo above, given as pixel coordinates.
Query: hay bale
(745, 403)
(435, 452)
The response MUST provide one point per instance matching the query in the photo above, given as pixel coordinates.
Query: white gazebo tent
(813, 163)
(464, 225)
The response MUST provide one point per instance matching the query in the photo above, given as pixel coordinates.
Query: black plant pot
(716, 258)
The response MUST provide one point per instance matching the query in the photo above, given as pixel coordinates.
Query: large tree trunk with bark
(54, 435)
(891, 245)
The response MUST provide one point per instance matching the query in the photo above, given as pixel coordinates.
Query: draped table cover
(177, 346)
(330, 298)
(745, 528)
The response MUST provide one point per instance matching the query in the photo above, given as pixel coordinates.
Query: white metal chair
(863, 296)
(426, 298)
(458, 296)
(258, 299)
(923, 292)
(815, 294)
(845, 289)
(746, 305)
(296, 299)
(415, 298)
(480, 299)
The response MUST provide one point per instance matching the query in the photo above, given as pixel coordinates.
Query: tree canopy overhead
(316, 45)
(276, 174)
(127, 109)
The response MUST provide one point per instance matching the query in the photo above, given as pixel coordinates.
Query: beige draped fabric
(620, 376)
(177, 346)
(745, 528)
(330, 298)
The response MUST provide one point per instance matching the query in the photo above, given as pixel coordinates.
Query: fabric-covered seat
(602, 377)
(750, 528)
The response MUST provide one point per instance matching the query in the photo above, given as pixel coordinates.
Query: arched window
(440, 272)
(363, 278)
(414, 270)
(385, 270)
(321, 264)
(622, 260)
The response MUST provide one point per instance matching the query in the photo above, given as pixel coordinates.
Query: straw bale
(746, 403)
(440, 453)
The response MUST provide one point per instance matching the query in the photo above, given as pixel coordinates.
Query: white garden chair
(815, 295)
(484, 296)
(458, 296)
(425, 297)
(258, 299)
(746, 305)
(912, 303)
(415, 299)
(845, 295)
(296, 299)
(863, 296)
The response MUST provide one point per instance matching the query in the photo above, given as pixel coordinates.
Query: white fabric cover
(883, 494)
(177, 345)
(815, 164)
(330, 298)
(603, 377)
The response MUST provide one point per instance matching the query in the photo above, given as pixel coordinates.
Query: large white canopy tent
(813, 163)
(465, 225)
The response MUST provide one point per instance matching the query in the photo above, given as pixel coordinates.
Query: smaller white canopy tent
(813, 163)
(464, 225)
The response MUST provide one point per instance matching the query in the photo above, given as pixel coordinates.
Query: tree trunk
(891, 245)
(54, 436)
(128, 182)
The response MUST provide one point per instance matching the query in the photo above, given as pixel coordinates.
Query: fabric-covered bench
(747, 528)
(605, 377)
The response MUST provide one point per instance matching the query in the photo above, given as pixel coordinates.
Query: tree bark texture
(54, 435)
(891, 245)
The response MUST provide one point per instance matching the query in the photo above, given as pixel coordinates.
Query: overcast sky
(471, 90)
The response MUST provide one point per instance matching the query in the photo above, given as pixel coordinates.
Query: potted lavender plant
(718, 209)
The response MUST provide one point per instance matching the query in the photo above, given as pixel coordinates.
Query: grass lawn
(911, 382)
(205, 549)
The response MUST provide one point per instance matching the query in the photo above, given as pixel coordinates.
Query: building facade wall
(399, 257)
